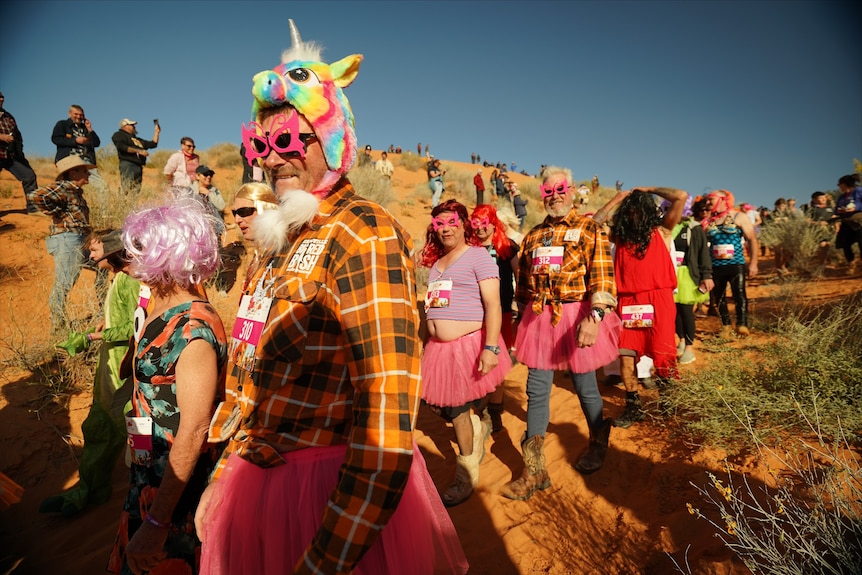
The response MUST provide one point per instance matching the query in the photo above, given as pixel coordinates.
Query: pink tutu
(262, 520)
(540, 345)
(450, 376)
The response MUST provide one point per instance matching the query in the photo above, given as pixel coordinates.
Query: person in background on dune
(181, 167)
(132, 154)
(64, 202)
(479, 184)
(848, 208)
(12, 156)
(435, 182)
(565, 295)
(321, 473)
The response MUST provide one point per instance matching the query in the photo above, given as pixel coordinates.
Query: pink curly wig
(173, 244)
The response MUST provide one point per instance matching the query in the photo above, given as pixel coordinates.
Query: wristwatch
(598, 313)
(495, 349)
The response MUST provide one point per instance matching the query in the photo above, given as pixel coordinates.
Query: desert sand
(628, 518)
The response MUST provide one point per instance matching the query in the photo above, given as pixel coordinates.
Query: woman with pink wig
(179, 372)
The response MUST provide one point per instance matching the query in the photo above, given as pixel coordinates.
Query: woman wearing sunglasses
(250, 200)
(462, 362)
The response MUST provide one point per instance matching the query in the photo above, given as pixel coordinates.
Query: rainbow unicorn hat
(315, 90)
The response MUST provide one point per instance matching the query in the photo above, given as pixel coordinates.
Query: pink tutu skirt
(262, 520)
(540, 345)
(450, 375)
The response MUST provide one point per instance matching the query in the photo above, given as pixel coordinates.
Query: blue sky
(762, 98)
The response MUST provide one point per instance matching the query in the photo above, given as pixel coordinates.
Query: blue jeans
(24, 174)
(539, 382)
(131, 176)
(65, 248)
(437, 191)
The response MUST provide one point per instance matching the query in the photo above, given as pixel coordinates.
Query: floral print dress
(157, 353)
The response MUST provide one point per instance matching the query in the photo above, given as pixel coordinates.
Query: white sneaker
(687, 357)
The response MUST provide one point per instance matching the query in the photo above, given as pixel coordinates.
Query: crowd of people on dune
(287, 445)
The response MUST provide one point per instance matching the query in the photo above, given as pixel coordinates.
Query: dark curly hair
(433, 249)
(634, 222)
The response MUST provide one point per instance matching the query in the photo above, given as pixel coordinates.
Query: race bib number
(637, 316)
(722, 251)
(140, 433)
(247, 329)
(439, 293)
(547, 260)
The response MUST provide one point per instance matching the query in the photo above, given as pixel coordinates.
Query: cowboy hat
(70, 162)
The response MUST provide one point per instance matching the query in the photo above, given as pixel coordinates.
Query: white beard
(273, 228)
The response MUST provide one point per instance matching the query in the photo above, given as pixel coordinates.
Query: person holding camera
(132, 154)
(435, 182)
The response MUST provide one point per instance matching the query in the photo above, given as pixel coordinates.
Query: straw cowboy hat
(68, 163)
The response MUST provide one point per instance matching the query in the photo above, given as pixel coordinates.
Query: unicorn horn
(295, 38)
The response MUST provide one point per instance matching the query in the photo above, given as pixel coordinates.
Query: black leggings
(735, 276)
(685, 322)
(845, 239)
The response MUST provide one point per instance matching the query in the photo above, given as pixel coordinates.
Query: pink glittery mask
(285, 138)
(452, 221)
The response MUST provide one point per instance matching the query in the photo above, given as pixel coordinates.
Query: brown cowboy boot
(534, 476)
(593, 459)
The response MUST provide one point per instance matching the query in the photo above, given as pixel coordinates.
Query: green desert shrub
(370, 184)
(810, 355)
(805, 518)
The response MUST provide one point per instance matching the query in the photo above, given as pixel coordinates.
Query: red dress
(648, 282)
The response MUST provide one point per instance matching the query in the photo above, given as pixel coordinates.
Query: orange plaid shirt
(337, 363)
(587, 270)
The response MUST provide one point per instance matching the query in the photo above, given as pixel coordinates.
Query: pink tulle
(263, 519)
(541, 345)
(450, 375)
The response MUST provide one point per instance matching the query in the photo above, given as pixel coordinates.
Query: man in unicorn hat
(320, 473)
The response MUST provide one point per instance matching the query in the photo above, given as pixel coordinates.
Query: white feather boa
(273, 228)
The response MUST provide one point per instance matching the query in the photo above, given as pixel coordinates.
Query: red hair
(433, 248)
(500, 241)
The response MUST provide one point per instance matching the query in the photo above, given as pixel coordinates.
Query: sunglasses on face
(452, 221)
(192, 146)
(285, 138)
(548, 191)
(243, 212)
(483, 223)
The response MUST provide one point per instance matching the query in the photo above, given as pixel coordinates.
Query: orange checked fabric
(337, 363)
(586, 271)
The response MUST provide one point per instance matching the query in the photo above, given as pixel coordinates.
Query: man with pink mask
(321, 473)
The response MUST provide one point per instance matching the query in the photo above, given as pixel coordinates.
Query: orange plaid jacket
(337, 363)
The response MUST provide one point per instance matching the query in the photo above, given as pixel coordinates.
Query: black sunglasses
(282, 142)
(243, 212)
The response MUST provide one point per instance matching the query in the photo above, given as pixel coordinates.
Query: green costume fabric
(104, 430)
